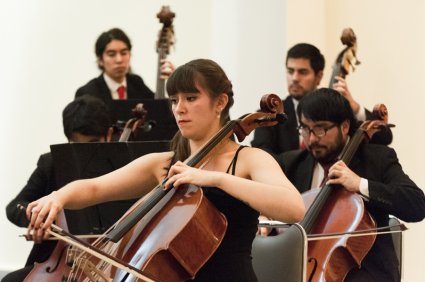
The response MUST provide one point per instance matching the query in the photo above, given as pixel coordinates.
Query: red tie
(121, 92)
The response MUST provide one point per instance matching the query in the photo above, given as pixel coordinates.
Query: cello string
(357, 233)
(82, 245)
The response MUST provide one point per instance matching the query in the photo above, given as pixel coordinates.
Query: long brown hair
(208, 75)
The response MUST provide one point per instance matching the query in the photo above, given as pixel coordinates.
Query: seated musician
(201, 96)
(113, 53)
(304, 72)
(326, 124)
(85, 119)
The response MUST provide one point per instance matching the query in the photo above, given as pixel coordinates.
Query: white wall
(47, 52)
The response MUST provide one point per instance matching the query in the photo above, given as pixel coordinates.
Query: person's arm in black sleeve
(395, 192)
(39, 184)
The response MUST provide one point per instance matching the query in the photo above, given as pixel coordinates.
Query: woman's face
(196, 114)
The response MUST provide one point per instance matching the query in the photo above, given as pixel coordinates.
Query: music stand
(72, 161)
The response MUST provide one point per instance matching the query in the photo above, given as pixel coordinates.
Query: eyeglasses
(318, 130)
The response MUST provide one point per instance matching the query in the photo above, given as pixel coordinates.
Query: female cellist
(240, 182)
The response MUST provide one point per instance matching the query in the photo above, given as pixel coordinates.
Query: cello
(173, 233)
(133, 125)
(165, 41)
(334, 210)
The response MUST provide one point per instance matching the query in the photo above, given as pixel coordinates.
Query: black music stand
(74, 161)
(160, 124)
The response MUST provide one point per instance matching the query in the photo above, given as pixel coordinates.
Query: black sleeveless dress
(232, 261)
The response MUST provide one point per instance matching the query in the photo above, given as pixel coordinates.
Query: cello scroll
(370, 127)
(272, 112)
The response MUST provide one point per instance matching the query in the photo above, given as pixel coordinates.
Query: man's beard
(330, 153)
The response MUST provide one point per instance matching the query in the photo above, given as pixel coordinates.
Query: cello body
(59, 265)
(190, 230)
(55, 268)
(345, 212)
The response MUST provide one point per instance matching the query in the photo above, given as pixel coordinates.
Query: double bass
(172, 233)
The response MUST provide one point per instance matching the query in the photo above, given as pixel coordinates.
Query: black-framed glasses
(318, 130)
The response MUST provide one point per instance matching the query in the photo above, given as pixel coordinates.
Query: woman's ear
(222, 101)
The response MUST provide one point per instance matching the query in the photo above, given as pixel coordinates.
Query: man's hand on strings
(340, 174)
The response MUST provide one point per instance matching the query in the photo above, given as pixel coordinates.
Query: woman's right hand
(42, 213)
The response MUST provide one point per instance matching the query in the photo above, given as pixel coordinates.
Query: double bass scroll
(347, 58)
(164, 43)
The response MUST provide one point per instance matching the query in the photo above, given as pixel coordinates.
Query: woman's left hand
(181, 173)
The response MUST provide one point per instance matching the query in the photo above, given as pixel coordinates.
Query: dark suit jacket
(136, 89)
(41, 183)
(391, 192)
(284, 136)
(281, 137)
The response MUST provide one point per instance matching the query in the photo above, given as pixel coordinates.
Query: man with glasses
(304, 72)
(326, 124)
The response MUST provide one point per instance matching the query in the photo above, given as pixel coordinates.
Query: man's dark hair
(86, 115)
(106, 37)
(326, 104)
(307, 51)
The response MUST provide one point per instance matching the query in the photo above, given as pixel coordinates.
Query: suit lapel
(305, 174)
(104, 93)
(291, 123)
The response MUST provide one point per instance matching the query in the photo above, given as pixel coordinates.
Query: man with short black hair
(86, 119)
(113, 53)
(304, 72)
(326, 124)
